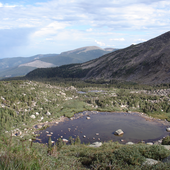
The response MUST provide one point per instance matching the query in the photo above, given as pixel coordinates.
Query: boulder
(48, 113)
(149, 143)
(150, 162)
(32, 116)
(166, 147)
(168, 129)
(96, 144)
(119, 132)
(37, 113)
(65, 140)
(39, 126)
(129, 143)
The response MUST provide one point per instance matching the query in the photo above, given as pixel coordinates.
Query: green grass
(21, 99)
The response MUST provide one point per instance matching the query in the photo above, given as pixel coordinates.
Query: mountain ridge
(147, 63)
(20, 66)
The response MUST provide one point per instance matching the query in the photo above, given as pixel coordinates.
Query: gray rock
(168, 129)
(119, 132)
(166, 147)
(96, 144)
(32, 116)
(150, 162)
(129, 143)
(149, 143)
(166, 159)
(48, 113)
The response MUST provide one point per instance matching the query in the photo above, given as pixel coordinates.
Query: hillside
(147, 63)
(79, 55)
(20, 66)
(11, 67)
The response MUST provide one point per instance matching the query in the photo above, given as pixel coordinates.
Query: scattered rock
(119, 132)
(48, 113)
(96, 144)
(84, 136)
(88, 117)
(65, 140)
(129, 143)
(37, 113)
(150, 162)
(39, 126)
(149, 143)
(166, 147)
(32, 116)
(97, 134)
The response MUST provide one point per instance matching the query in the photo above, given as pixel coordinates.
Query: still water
(101, 127)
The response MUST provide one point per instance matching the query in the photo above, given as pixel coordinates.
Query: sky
(31, 27)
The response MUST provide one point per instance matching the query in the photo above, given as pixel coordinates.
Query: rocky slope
(147, 63)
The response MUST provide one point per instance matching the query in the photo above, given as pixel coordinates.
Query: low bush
(166, 141)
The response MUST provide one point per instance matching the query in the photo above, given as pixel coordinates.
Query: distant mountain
(147, 63)
(79, 55)
(10, 67)
(20, 66)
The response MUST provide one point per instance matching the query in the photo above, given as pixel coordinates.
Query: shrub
(166, 141)
(157, 152)
(130, 155)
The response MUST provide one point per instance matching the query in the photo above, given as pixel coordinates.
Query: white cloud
(102, 20)
(100, 43)
(117, 39)
(89, 30)
(141, 40)
(51, 29)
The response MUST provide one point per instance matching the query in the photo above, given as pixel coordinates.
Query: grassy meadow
(25, 103)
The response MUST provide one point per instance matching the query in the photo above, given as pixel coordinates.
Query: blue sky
(30, 27)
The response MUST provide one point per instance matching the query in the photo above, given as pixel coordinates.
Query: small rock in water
(88, 117)
(84, 136)
(168, 129)
(97, 134)
(119, 132)
(65, 140)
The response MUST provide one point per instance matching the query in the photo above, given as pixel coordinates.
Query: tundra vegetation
(25, 103)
